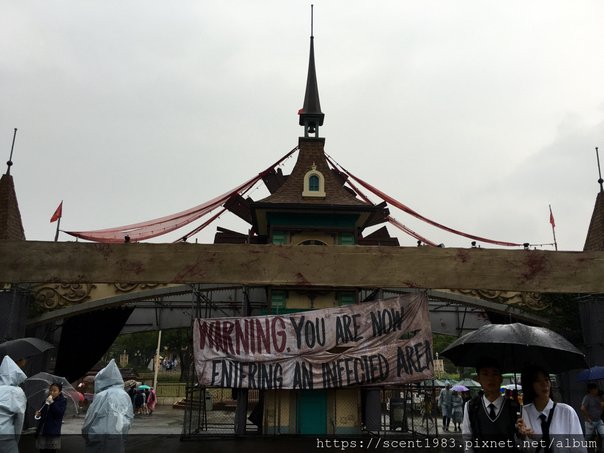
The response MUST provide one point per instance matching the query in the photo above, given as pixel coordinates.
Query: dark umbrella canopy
(22, 348)
(514, 346)
(595, 373)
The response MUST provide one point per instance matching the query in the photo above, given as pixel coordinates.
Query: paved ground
(160, 433)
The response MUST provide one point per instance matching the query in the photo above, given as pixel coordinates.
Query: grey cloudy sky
(475, 113)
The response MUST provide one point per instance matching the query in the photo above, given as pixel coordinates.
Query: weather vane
(10, 159)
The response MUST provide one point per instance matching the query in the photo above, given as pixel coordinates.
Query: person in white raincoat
(110, 415)
(12, 405)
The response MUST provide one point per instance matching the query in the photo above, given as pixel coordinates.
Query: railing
(171, 390)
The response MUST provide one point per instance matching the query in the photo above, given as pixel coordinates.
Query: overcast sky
(475, 113)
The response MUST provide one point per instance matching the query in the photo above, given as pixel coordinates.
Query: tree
(141, 347)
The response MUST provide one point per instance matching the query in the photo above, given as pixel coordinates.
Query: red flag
(551, 218)
(58, 213)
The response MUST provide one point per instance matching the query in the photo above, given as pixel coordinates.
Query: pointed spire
(595, 233)
(10, 159)
(311, 116)
(11, 226)
(600, 180)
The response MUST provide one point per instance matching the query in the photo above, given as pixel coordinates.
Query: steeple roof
(311, 116)
(312, 187)
(11, 227)
(595, 233)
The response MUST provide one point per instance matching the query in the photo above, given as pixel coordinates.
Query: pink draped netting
(152, 228)
(408, 210)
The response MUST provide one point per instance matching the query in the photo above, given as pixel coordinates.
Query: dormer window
(314, 183)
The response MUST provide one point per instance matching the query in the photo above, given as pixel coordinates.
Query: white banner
(382, 342)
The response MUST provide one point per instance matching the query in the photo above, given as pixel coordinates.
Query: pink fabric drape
(152, 228)
(417, 215)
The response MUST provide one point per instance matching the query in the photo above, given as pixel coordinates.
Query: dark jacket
(52, 417)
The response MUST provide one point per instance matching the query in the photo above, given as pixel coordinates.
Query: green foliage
(564, 316)
(141, 347)
(439, 344)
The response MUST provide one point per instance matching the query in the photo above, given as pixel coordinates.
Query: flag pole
(56, 217)
(553, 223)
(10, 159)
(156, 360)
(57, 232)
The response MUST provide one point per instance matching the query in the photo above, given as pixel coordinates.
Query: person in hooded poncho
(12, 405)
(110, 415)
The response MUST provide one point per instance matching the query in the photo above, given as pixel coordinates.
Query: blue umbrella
(591, 374)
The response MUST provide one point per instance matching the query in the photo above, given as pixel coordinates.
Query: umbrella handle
(38, 417)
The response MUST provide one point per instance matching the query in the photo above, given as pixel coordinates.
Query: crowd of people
(143, 399)
(538, 425)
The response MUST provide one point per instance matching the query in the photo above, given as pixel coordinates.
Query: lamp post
(137, 356)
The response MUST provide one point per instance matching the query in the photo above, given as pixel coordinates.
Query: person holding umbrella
(50, 416)
(556, 425)
(489, 420)
(456, 410)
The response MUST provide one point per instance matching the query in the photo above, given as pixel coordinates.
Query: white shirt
(564, 422)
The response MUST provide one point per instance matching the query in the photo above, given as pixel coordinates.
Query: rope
(417, 215)
(152, 228)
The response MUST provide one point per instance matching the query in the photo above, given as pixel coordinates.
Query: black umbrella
(514, 346)
(22, 348)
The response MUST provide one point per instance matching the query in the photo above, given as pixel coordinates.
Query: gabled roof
(11, 227)
(312, 153)
(338, 199)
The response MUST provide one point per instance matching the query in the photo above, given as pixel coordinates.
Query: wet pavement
(161, 432)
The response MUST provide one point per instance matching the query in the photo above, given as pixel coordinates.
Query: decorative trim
(525, 300)
(128, 287)
(58, 295)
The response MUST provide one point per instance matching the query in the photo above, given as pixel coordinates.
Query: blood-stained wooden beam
(302, 266)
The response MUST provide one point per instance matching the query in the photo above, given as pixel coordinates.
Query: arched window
(314, 183)
(312, 242)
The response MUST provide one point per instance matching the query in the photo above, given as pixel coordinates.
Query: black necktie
(492, 411)
(545, 432)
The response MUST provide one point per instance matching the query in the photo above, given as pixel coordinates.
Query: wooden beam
(303, 266)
